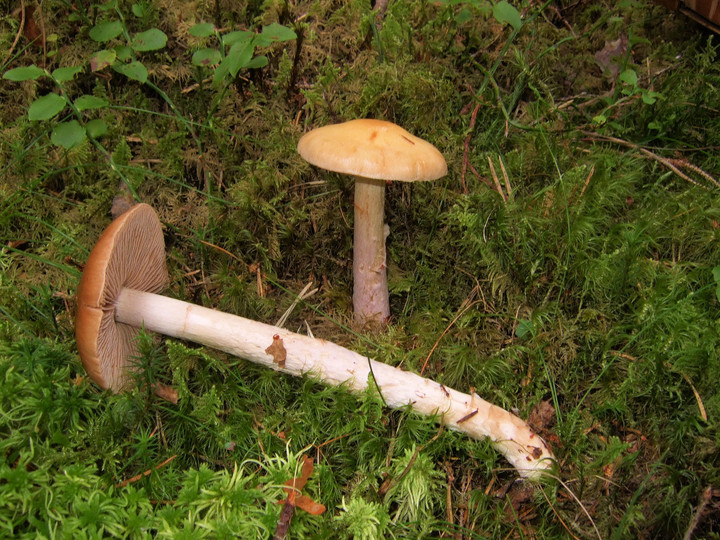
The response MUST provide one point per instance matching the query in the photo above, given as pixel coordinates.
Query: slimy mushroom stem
(127, 309)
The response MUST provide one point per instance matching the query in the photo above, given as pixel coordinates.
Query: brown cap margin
(129, 254)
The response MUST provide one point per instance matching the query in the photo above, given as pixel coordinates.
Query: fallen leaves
(541, 417)
(295, 500)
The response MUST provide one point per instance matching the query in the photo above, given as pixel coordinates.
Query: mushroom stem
(371, 301)
(333, 364)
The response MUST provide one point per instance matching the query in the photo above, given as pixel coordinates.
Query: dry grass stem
(496, 180)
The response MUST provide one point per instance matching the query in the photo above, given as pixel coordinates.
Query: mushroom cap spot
(372, 149)
(129, 254)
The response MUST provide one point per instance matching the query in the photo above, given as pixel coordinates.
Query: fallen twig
(672, 164)
(463, 308)
(466, 148)
(146, 473)
(704, 501)
(18, 34)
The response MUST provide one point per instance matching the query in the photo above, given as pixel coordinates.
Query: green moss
(590, 288)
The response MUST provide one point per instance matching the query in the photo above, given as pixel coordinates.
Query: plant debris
(296, 500)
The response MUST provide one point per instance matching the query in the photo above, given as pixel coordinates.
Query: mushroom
(129, 254)
(373, 151)
(117, 296)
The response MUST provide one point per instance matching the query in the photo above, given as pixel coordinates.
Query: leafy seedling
(236, 49)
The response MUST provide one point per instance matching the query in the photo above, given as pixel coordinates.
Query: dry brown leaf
(311, 507)
(542, 416)
(279, 354)
(608, 58)
(295, 500)
(31, 30)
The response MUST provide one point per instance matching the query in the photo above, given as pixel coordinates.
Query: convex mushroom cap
(372, 149)
(129, 254)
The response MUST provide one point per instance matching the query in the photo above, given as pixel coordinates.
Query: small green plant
(122, 54)
(73, 129)
(418, 481)
(69, 132)
(630, 89)
(503, 12)
(236, 49)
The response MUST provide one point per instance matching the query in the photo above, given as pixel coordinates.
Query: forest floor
(567, 268)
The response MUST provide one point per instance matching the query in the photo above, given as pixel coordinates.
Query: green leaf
(275, 32)
(202, 30)
(124, 53)
(257, 62)
(106, 30)
(65, 74)
(650, 97)
(96, 128)
(86, 102)
(139, 9)
(24, 73)
(239, 56)
(46, 107)
(134, 70)
(506, 13)
(628, 77)
(68, 134)
(102, 59)
(150, 40)
(109, 5)
(206, 57)
(463, 16)
(232, 38)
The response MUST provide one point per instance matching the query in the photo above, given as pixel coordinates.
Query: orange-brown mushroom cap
(372, 149)
(129, 254)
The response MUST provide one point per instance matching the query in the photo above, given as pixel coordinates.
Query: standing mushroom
(373, 151)
(117, 296)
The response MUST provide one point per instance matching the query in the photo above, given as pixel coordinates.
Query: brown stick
(144, 474)
(498, 187)
(704, 501)
(671, 164)
(19, 32)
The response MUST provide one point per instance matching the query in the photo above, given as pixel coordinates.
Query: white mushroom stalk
(130, 308)
(332, 364)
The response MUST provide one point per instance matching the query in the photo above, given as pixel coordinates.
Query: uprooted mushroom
(117, 296)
